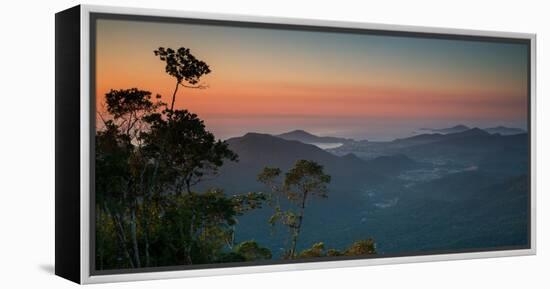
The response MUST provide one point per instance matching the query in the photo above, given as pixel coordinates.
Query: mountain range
(477, 196)
(355, 163)
(504, 130)
(492, 130)
(306, 137)
(257, 151)
(454, 129)
(433, 137)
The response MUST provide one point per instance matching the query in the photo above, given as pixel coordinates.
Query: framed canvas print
(192, 144)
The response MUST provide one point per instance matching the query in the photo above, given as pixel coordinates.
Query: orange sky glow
(268, 80)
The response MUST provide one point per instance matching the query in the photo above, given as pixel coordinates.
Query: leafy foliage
(128, 107)
(359, 248)
(185, 151)
(182, 65)
(304, 179)
(128, 102)
(362, 247)
(252, 251)
(317, 250)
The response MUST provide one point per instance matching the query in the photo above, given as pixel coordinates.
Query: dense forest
(149, 160)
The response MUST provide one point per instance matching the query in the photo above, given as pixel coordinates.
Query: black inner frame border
(94, 16)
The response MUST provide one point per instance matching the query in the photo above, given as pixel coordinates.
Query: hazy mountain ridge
(427, 138)
(473, 143)
(306, 137)
(454, 129)
(503, 130)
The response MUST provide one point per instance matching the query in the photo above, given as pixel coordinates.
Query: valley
(431, 192)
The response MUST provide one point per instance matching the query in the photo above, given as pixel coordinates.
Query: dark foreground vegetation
(149, 160)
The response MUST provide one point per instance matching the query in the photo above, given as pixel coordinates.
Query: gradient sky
(351, 85)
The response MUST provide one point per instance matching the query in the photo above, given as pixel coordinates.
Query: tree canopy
(305, 178)
(183, 66)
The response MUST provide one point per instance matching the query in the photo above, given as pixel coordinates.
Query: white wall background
(27, 143)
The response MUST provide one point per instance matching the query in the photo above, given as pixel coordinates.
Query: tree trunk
(147, 256)
(232, 241)
(99, 241)
(146, 217)
(133, 232)
(189, 246)
(188, 185)
(121, 236)
(298, 227)
(145, 214)
(174, 97)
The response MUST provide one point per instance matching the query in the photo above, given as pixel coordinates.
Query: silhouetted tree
(112, 151)
(305, 179)
(147, 160)
(183, 66)
(120, 165)
(141, 156)
(187, 152)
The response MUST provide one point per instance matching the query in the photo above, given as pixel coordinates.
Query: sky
(339, 84)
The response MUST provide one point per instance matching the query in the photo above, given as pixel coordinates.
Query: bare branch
(200, 86)
(102, 118)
